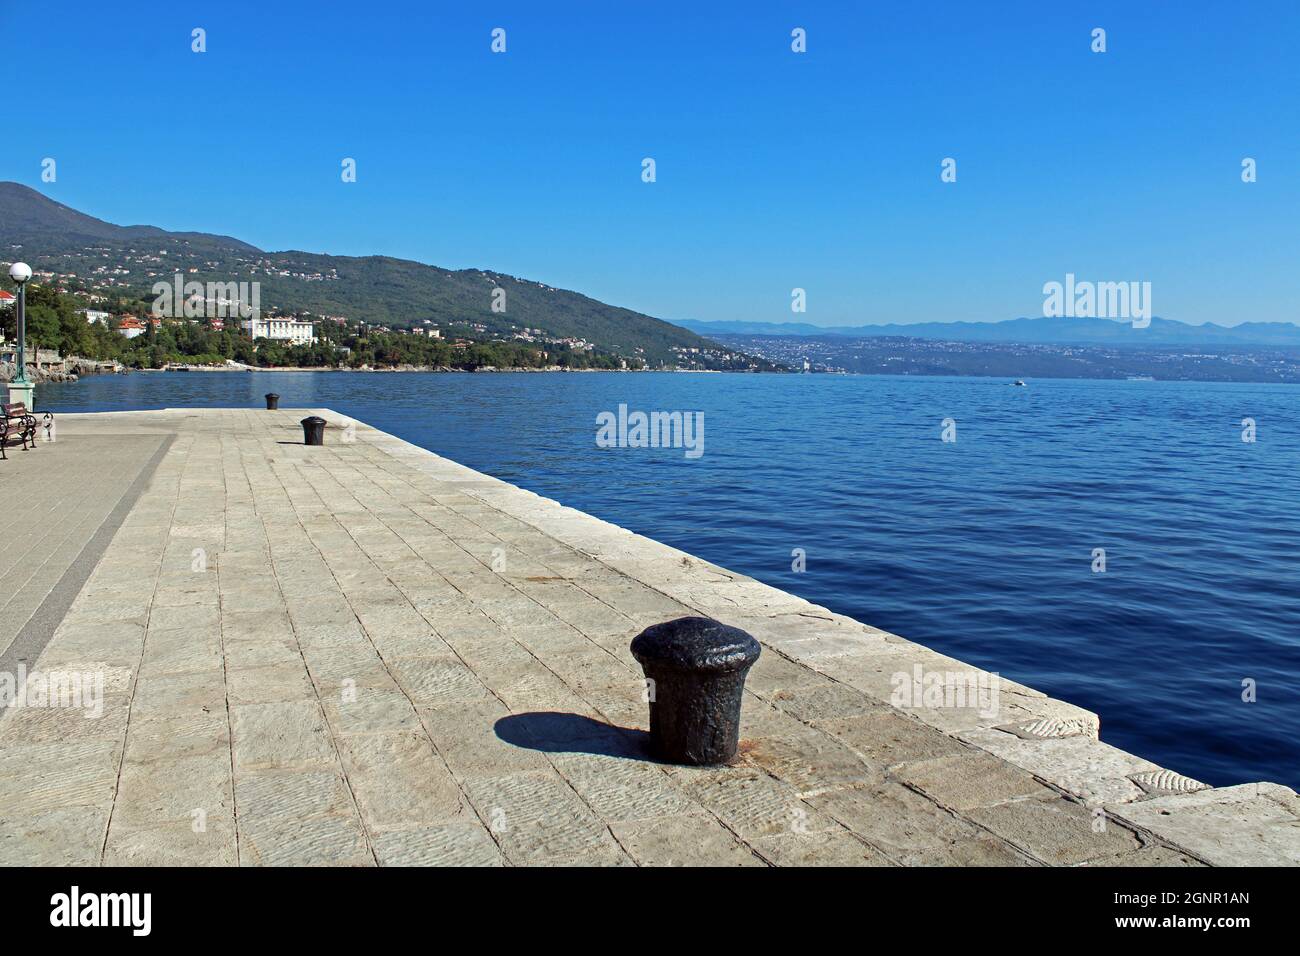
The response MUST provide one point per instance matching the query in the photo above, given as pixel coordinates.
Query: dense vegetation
(54, 323)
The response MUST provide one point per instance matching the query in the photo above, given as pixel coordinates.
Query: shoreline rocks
(67, 370)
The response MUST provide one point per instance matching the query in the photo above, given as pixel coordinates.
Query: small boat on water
(1019, 382)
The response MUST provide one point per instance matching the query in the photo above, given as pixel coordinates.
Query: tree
(74, 333)
(42, 327)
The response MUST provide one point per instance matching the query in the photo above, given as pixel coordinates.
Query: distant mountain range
(1035, 331)
(128, 260)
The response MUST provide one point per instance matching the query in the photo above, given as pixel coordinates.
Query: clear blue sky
(775, 170)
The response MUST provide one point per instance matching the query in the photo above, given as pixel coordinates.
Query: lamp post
(20, 389)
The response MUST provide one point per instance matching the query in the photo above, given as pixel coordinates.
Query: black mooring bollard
(272, 401)
(696, 671)
(313, 430)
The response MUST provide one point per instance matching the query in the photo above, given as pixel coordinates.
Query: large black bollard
(272, 401)
(696, 668)
(313, 430)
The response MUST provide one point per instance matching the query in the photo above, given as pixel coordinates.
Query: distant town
(900, 355)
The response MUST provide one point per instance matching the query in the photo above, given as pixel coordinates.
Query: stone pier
(241, 650)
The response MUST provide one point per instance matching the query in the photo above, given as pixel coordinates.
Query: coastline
(413, 368)
(68, 370)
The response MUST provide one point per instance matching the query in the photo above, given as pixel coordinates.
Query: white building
(293, 331)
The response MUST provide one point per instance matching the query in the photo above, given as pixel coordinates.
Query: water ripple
(982, 549)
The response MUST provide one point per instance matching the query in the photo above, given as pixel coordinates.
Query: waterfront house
(281, 329)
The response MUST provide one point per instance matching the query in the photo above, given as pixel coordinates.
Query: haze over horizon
(775, 170)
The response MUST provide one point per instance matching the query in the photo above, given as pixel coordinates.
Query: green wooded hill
(374, 289)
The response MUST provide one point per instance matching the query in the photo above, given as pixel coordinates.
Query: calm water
(981, 549)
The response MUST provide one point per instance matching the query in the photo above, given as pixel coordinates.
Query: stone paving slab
(53, 515)
(366, 654)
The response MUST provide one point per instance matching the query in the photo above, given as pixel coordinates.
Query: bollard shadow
(559, 732)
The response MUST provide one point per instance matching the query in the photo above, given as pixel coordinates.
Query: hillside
(118, 260)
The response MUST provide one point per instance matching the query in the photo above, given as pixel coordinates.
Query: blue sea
(982, 547)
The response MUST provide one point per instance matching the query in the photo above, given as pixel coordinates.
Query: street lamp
(20, 390)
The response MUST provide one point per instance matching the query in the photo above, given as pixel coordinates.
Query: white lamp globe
(20, 272)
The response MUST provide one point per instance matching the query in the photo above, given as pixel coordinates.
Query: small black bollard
(696, 668)
(272, 401)
(313, 430)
